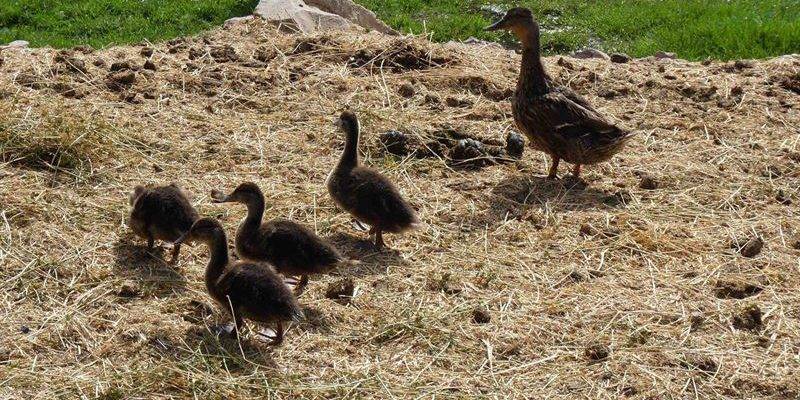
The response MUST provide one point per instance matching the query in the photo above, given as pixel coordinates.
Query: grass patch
(695, 29)
(104, 22)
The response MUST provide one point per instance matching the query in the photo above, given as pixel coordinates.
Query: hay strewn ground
(566, 274)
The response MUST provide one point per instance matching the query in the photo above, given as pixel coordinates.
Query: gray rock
(320, 15)
(590, 53)
(236, 20)
(17, 44)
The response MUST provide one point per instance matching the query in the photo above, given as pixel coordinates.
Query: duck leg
(301, 285)
(278, 339)
(379, 239)
(151, 242)
(576, 171)
(176, 250)
(554, 168)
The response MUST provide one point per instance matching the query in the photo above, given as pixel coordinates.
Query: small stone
(752, 248)
(481, 315)
(341, 291)
(590, 53)
(620, 58)
(663, 55)
(515, 144)
(407, 90)
(748, 318)
(24, 329)
(648, 182)
(149, 64)
(597, 352)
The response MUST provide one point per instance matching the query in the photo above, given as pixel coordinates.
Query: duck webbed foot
(359, 226)
(274, 340)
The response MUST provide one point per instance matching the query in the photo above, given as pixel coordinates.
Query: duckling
(292, 248)
(363, 192)
(250, 290)
(555, 119)
(163, 213)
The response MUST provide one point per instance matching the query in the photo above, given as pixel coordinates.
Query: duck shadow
(135, 261)
(234, 355)
(371, 259)
(514, 196)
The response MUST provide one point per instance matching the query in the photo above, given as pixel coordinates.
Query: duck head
(205, 230)
(348, 122)
(246, 193)
(519, 21)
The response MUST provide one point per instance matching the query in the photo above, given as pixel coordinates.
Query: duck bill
(495, 26)
(219, 197)
(181, 239)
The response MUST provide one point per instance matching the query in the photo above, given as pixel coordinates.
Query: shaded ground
(515, 286)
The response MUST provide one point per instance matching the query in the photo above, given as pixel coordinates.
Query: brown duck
(293, 249)
(555, 119)
(246, 289)
(363, 192)
(162, 213)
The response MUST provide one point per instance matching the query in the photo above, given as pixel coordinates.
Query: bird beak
(218, 197)
(496, 26)
(181, 239)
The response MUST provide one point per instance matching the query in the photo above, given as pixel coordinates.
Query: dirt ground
(672, 273)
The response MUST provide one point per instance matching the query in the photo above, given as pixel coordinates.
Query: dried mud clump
(395, 142)
(597, 352)
(341, 291)
(749, 248)
(736, 289)
(748, 318)
(224, 53)
(121, 80)
(701, 363)
(481, 315)
(399, 56)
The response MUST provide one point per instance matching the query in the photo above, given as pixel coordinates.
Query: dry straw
(608, 291)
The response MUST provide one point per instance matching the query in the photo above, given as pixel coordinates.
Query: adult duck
(555, 119)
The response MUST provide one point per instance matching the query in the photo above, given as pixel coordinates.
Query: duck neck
(255, 211)
(349, 159)
(532, 77)
(219, 260)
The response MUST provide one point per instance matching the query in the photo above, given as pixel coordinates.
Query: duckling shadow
(148, 267)
(315, 321)
(234, 355)
(372, 261)
(514, 196)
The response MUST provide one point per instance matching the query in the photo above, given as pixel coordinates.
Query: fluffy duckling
(293, 249)
(363, 192)
(555, 119)
(245, 289)
(162, 213)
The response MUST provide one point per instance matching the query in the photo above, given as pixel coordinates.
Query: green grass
(100, 23)
(695, 29)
